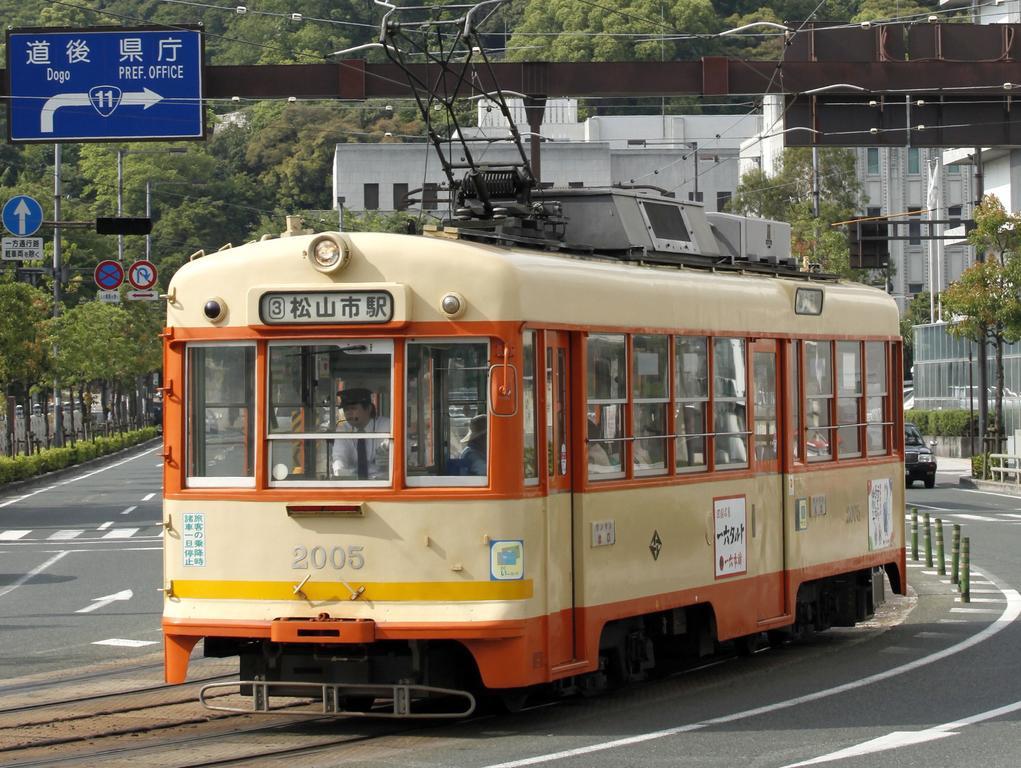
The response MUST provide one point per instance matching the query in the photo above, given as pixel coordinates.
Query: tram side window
(329, 412)
(849, 396)
(795, 398)
(607, 398)
(876, 396)
(530, 420)
(730, 403)
(691, 387)
(221, 403)
(447, 437)
(818, 377)
(650, 377)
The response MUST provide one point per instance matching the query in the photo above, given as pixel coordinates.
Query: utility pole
(983, 384)
(58, 415)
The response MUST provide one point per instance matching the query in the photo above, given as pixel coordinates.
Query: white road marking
(13, 535)
(148, 496)
(978, 518)
(65, 535)
(102, 602)
(25, 496)
(31, 574)
(899, 739)
(121, 533)
(1009, 614)
(130, 509)
(105, 525)
(126, 643)
(982, 600)
(972, 610)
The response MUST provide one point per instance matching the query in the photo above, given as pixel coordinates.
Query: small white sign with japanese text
(730, 519)
(22, 248)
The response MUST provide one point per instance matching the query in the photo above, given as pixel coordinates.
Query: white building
(905, 184)
(691, 156)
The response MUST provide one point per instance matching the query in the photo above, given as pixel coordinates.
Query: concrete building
(906, 184)
(691, 156)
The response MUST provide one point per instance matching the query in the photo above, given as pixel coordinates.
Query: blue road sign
(92, 85)
(22, 215)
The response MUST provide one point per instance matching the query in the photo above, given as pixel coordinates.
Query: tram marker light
(453, 305)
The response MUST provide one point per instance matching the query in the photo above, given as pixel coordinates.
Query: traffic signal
(123, 225)
(868, 244)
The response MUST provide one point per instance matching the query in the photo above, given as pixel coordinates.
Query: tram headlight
(328, 253)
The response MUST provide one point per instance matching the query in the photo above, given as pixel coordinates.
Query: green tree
(24, 356)
(787, 195)
(986, 300)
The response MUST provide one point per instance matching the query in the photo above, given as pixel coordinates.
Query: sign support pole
(58, 416)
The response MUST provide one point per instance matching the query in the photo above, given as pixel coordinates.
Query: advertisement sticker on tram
(507, 560)
(731, 543)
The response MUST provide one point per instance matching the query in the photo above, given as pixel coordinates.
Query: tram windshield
(329, 411)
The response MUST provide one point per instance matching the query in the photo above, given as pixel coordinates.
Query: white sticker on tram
(1009, 614)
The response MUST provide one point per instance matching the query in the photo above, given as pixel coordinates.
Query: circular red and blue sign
(109, 274)
(142, 275)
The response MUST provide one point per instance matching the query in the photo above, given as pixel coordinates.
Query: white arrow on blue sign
(22, 215)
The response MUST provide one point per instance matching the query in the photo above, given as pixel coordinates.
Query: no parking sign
(109, 274)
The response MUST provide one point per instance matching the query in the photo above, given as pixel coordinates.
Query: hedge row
(949, 423)
(50, 459)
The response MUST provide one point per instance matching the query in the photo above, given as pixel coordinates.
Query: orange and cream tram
(404, 465)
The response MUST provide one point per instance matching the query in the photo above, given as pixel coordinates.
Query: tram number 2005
(319, 557)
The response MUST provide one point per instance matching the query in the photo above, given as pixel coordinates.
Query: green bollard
(940, 552)
(966, 570)
(927, 539)
(914, 533)
(955, 555)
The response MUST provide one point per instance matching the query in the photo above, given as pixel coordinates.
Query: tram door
(768, 509)
(559, 501)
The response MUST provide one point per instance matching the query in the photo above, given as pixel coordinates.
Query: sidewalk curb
(1010, 489)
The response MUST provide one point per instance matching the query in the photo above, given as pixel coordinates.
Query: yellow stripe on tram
(383, 591)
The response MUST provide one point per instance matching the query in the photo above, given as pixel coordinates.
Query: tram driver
(365, 458)
(473, 457)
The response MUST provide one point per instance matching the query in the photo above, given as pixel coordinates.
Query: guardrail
(1005, 468)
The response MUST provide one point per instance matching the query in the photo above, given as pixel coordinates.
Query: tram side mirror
(503, 389)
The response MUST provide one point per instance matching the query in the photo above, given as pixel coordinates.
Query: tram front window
(221, 398)
(447, 435)
(329, 412)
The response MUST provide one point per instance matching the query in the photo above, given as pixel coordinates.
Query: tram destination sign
(326, 307)
(102, 84)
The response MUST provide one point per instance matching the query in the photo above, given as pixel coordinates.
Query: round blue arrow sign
(22, 215)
